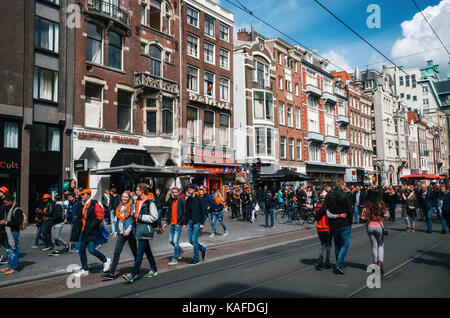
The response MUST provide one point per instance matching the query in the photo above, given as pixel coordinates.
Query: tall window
(299, 150)
(209, 53)
(151, 116)
(53, 139)
(93, 106)
(260, 141)
(407, 80)
(224, 59)
(208, 132)
(224, 130)
(280, 82)
(281, 113)
(11, 135)
(269, 106)
(224, 32)
(124, 111)
(331, 155)
(314, 153)
(155, 14)
(167, 116)
(413, 81)
(282, 147)
(192, 124)
(401, 80)
(313, 121)
(192, 45)
(45, 85)
(114, 50)
(192, 79)
(261, 74)
(46, 34)
(261, 99)
(298, 123)
(155, 60)
(209, 25)
(166, 20)
(192, 17)
(329, 126)
(209, 84)
(224, 89)
(290, 116)
(143, 14)
(291, 149)
(94, 43)
(343, 158)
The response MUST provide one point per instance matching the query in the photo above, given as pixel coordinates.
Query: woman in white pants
(373, 215)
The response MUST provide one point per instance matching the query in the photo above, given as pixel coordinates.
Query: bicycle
(303, 214)
(282, 214)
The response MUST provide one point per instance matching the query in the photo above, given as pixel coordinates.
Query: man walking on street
(260, 199)
(48, 218)
(235, 203)
(86, 231)
(359, 198)
(195, 218)
(10, 233)
(175, 219)
(425, 199)
(338, 204)
(246, 204)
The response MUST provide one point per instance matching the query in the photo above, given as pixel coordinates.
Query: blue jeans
(356, 216)
(341, 238)
(194, 230)
(160, 212)
(428, 217)
(439, 211)
(215, 217)
(391, 207)
(13, 255)
(262, 206)
(175, 234)
(143, 248)
(92, 251)
(267, 213)
(113, 220)
(38, 235)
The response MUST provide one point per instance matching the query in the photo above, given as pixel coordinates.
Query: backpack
(24, 223)
(59, 213)
(154, 214)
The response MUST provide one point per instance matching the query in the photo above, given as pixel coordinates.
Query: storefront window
(11, 135)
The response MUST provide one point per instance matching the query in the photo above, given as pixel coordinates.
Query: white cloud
(417, 36)
(340, 59)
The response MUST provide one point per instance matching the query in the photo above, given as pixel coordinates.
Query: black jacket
(181, 211)
(301, 196)
(446, 207)
(391, 199)
(160, 201)
(245, 197)
(362, 197)
(269, 201)
(428, 202)
(338, 202)
(92, 232)
(114, 202)
(194, 210)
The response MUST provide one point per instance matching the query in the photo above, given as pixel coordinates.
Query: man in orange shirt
(175, 218)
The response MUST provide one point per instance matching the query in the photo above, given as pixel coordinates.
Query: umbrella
(285, 175)
(414, 176)
(432, 177)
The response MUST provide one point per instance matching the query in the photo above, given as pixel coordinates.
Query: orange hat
(246, 187)
(46, 196)
(238, 186)
(88, 191)
(4, 190)
(411, 186)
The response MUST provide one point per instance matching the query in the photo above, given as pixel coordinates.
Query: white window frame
(213, 139)
(291, 149)
(281, 114)
(298, 118)
(228, 59)
(290, 119)
(213, 62)
(228, 93)
(198, 16)
(283, 146)
(198, 80)
(198, 46)
(196, 126)
(299, 150)
(213, 93)
(228, 32)
(213, 29)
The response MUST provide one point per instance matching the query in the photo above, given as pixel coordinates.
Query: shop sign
(80, 165)
(207, 154)
(108, 138)
(9, 165)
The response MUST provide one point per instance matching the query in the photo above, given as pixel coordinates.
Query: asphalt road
(416, 265)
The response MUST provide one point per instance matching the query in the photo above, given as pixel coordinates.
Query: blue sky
(315, 28)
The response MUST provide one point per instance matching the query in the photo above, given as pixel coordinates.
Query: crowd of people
(135, 217)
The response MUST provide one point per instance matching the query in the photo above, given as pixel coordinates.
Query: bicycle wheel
(299, 218)
(282, 217)
(309, 216)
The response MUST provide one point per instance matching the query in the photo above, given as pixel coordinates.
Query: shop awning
(283, 175)
(312, 168)
(217, 169)
(138, 171)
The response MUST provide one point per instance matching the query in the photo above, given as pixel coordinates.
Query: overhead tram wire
(400, 57)
(423, 15)
(246, 10)
(358, 35)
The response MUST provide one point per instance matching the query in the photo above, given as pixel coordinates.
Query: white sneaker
(225, 234)
(82, 273)
(212, 235)
(107, 265)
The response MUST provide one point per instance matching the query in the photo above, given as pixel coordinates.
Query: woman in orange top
(122, 232)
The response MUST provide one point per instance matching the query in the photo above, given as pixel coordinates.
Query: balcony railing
(330, 97)
(315, 137)
(332, 140)
(105, 8)
(343, 119)
(344, 143)
(313, 90)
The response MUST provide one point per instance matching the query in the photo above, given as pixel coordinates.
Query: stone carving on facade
(142, 79)
(209, 101)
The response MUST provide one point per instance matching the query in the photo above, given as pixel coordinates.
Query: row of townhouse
(292, 112)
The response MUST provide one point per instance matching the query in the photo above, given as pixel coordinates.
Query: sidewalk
(36, 264)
